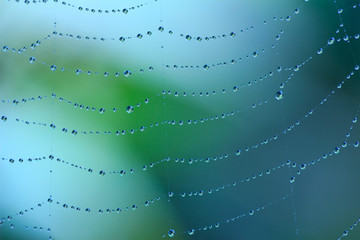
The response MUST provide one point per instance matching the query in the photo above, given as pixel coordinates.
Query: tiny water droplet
(171, 233)
(129, 109)
(279, 95)
(127, 73)
(53, 67)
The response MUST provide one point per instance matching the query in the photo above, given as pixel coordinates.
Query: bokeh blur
(267, 84)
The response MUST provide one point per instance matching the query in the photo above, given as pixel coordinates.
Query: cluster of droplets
(354, 6)
(118, 210)
(253, 54)
(279, 95)
(103, 173)
(31, 46)
(237, 152)
(149, 33)
(101, 110)
(320, 51)
(161, 29)
(207, 160)
(234, 89)
(77, 71)
(128, 73)
(87, 9)
(130, 109)
(20, 213)
(336, 150)
(285, 131)
(16, 102)
(208, 227)
(21, 160)
(26, 227)
(233, 184)
(348, 231)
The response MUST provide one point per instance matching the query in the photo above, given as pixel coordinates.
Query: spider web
(205, 120)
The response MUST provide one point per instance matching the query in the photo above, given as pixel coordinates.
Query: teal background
(325, 196)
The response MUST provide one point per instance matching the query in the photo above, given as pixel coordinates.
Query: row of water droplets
(279, 95)
(214, 158)
(129, 109)
(80, 106)
(302, 168)
(249, 212)
(128, 73)
(86, 9)
(348, 231)
(7, 220)
(186, 36)
(171, 233)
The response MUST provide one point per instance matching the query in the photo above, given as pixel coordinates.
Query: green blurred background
(325, 196)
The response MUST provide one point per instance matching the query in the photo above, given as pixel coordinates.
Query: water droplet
(303, 166)
(3, 118)
(191, 231)
(101, 110)
(102, 173)
(53, 67)
(129, 109)
(31, 60)
(331, 41)
(171, 233)
(279, 95)
(292, 179)
(127, 73)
